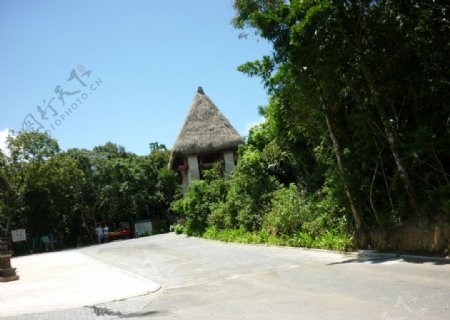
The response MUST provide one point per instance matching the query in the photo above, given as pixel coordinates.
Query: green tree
(31, 146)
(306, 56)
(49, 191)
(370, 75)
(40, 185)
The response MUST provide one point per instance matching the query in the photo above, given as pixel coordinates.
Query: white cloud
(3, 135)
(251, 124)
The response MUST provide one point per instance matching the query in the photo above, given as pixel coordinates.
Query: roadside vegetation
(67, 193)
(357, 133)
(255, 206)
(327, 241)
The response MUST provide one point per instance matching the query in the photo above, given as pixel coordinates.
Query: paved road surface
(203, 279)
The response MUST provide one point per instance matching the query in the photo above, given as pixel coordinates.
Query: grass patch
(329, 240)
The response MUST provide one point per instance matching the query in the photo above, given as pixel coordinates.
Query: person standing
(99, 231)
(106, 233)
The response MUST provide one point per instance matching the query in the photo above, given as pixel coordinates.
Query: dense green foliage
(366, 83)
(254, 206)
(329, 240)
(198, 204)
(48, 191)
(356, 137)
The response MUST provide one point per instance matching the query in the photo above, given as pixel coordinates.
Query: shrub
(194, 207)
(202, 197)
(251, 188)
(177, 228)
(324, 213)
(332, 241)
(221, 216)
(287, 212)
(339, 242)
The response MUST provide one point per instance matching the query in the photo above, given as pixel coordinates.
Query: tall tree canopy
(369, 82)
(46, 190)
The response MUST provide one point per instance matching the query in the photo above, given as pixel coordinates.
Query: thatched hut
(205, 138)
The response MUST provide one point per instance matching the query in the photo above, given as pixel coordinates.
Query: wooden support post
(228, 158)
(193, 173)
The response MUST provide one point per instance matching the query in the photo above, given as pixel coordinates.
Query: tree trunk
(340, 161)
(86, 226)
(444, 174)
(341, 167)
(390, 136)
(357, 39)
(401, 167)
(372, 204)
(391, 202)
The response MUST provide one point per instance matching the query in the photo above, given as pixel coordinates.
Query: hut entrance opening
(180, 164)
(207, 161)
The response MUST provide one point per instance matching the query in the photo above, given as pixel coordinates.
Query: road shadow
(101, 312)
(378, 258)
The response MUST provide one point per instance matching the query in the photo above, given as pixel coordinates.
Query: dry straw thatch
(205, 130)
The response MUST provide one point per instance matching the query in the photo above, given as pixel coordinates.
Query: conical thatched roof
(205, 130)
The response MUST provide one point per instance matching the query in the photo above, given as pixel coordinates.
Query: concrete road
(64, 280)
(203, 279)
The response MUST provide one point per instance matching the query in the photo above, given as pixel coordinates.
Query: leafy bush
(250, 190)
(330, 241)
(202, 197)
(287, 211)
(177, 228)
(303, 239)
(242, 236)
(194, 207)
(221, 216)
(253, 207)
(325, 209)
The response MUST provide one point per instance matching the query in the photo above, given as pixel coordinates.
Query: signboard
(142, 228)
(18, 235)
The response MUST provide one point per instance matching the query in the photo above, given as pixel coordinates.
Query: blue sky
(146, 60)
